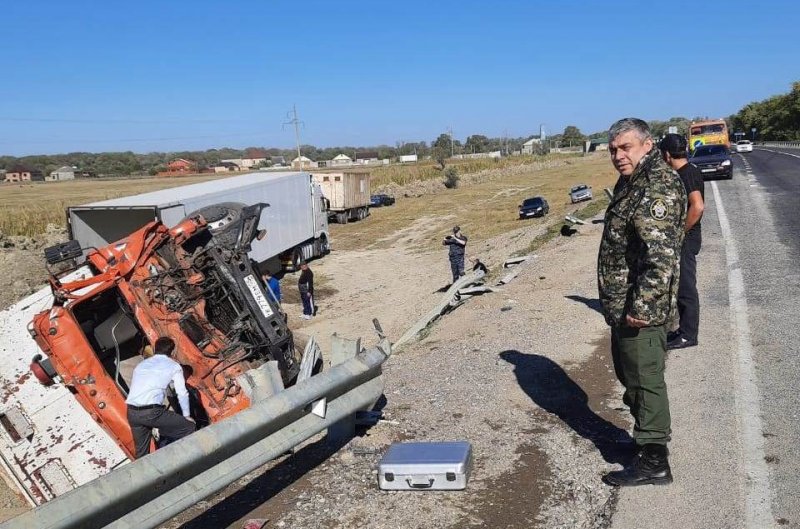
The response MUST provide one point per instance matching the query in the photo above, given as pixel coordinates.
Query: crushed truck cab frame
(197, 287)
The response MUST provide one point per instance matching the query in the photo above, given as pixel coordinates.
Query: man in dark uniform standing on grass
(637, 276)
(673, 149)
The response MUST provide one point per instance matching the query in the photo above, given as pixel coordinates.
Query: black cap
(456, 229)
(674, 144)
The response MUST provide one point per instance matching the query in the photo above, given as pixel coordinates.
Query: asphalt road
(735, 398)
(764, 212)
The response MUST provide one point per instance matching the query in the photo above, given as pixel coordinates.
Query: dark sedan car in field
(377, 201)
(714, 161)
(533, 207)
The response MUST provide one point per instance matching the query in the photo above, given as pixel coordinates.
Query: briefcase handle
(417, 485)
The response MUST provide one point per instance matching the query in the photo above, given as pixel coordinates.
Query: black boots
(650, 467)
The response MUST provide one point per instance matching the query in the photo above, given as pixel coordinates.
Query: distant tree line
(776, 118)
(112, 164)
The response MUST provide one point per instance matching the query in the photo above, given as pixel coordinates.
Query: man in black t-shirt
(673, 149)
(305, 285)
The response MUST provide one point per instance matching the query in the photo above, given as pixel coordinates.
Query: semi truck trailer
(347, 193)
(296, 219)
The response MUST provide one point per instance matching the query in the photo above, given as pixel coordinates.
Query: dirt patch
(503, 504)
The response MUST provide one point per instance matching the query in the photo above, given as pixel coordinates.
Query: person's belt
(148, 407)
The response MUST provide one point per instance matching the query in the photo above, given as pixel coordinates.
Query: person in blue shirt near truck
(273, 286)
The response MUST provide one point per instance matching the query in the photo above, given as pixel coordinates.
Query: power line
(12, 119)
(176, 138)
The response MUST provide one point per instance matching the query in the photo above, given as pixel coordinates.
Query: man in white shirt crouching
(145, 400)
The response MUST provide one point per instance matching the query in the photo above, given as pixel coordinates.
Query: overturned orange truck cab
(190, 283)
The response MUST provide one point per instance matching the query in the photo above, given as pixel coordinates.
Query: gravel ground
(522, 374)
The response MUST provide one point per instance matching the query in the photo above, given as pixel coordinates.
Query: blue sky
(174, 75)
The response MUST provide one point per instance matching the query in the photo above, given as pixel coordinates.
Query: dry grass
(27, 209)
(482, 210)
(429, 170)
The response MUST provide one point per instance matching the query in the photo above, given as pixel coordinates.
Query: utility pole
(293, 120)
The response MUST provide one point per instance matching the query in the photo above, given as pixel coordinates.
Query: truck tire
(219, 217)
(342, 217)
(324, 245)
(297, 259)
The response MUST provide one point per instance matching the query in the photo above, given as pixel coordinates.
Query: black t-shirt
(306, 281)
(693, 181)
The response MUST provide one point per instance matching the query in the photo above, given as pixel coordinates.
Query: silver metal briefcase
(426, 466)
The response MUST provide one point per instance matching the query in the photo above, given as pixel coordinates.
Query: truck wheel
(297, 259)
(219, 218)
(341, 218)
(324, 246)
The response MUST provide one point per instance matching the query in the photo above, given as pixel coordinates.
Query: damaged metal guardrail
(443, 306)
(155, 488)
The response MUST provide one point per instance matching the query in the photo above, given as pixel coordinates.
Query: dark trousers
(170, 425)
(688, 299)
(308, 303)
(638, 356)
(457, 267)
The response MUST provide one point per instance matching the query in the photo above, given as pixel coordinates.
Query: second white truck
(348, 194)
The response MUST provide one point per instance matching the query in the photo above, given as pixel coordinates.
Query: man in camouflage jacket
(637, 275)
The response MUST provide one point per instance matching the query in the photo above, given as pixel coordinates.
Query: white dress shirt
(150, 380)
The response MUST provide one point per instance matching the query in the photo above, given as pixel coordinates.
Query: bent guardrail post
(277, 421)
(440, 307)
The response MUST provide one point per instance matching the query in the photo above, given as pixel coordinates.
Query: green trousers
(639, 364)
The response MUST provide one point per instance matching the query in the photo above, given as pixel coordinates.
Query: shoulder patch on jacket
(658, 209)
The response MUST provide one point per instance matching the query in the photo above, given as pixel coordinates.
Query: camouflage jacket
(638, 263)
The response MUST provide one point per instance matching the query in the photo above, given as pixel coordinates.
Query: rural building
(530, 146)
(303, 163)
(179, 167)
(20, 173)
(341, 160)
(62, 173)
(225, 167)
(246, 163)
(598, 144)
(367, 157)
(407, 158)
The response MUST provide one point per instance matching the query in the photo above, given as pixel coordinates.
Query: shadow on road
(552, 389)
(271, 483)
(593, 304)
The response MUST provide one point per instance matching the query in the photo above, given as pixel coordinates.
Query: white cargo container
(296, 219)
(347, 192)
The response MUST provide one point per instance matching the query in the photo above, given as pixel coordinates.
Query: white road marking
(758, 510)
(779, 152)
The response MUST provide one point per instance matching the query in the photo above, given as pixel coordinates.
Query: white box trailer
(347, 192)
(296, 219)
